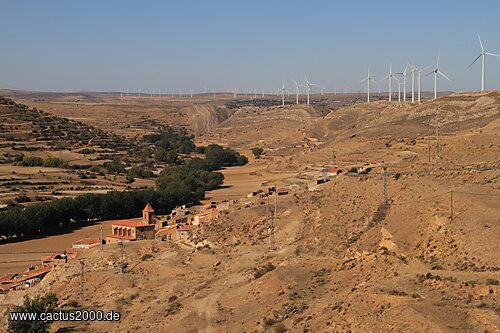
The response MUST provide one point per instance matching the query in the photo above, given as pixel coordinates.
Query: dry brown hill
(344, 261)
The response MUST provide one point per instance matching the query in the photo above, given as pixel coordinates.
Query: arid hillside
(412, 250)
(43, 156)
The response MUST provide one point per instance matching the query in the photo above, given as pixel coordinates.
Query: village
(178, 226)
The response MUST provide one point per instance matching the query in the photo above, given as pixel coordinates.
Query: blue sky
(113, 45)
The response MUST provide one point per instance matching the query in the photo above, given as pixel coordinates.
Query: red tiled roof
(333, 170)
(7, 287)
(7, 277)
(129, 223)
(167, 230)
(87, 241)
(148, 209)
(208, 212)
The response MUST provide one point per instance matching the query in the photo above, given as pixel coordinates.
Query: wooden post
(275, 201)
(451, 204)
(81, 278)
(268, 204)
(100, 243)
(122, 264)
(429, 149)
(437, 141)
(385, 184)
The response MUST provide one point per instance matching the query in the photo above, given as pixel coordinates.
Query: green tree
(115, 166)
(37, 304)
(257, 151)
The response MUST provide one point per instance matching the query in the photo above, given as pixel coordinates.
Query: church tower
(148, 214)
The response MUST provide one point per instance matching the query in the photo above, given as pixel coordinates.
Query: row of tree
(175, 186)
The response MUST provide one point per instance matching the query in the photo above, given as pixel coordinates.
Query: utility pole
(268, 204)
(429, 149)
(81, 278)
(100, 243)
(275, 201)
(385, 184)
(334, 157)
(122, 265)
(272, 233)
(437, 141)
(451, 204)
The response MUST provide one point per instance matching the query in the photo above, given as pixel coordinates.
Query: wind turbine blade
(440, 73)
(492, 54)
(395, 78)
(479, 56)
(384, 78)
(306, 79)
(437, 63)
(425, 68)
(363, 80)
(480, 42)
(430, 73)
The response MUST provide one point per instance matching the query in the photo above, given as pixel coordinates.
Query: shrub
(31, 161)
(257, 151)
(115, 166)
(139, 172)
(167, 156)
(53, 162)
(36, 304)
(22, 198)
(263, 270)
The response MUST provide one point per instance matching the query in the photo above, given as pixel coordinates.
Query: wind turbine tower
(483, 65)
(308, 88)
(436, 71)
(368, 79)
(404, 74)
(419, 80)
(296, 91)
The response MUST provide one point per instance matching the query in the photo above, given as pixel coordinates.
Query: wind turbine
(483, 56)
(308, 88)
(296, 91)
(413, 69)
(390, 77)
(436, 71)
(283, 89)
(404, 74)
(419, 81)
(368, 79)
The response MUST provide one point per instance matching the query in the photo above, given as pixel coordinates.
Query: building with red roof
(330, 172)
(86, 243)
(26, 279)
(131, 230)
